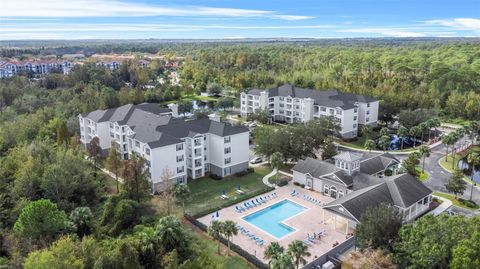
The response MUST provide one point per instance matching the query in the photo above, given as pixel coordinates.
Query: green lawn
(454, 201)
(450, 165)
(421, 176)
(205, 192)
(234, 261)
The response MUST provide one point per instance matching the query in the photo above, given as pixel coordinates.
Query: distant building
(34, 67)
(187, 149)
(292, 104)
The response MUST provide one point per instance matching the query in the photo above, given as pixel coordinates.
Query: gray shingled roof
(348, 156)
(314, 167)
(151, 126)
(329, 98)
(377, 164)
(401, 190)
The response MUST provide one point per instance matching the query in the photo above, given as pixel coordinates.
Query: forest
(57, 208)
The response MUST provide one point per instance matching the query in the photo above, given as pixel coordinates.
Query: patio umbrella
(217, 214)
(238, 187)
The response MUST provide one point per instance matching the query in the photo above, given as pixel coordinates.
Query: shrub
(215, 177)
(296, 183)
(469, 203)
(282, 182)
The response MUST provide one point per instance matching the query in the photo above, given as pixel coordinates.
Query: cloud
(291, 17)
(457, 23)
(393, 32)
(119, 8)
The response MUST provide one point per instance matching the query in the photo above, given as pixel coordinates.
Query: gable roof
(402, 190)
(376, 164)
(314, 167)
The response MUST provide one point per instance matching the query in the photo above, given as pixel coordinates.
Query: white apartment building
(34, 67)
(291, 104)
(175, 147)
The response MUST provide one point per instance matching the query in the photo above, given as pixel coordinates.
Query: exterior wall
(417, 208)
(165, 158)
(239, 153)
(319, 184)
(348, 122)
(368, 113)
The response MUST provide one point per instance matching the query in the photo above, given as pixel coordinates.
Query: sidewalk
(265, 178)
(442, 207)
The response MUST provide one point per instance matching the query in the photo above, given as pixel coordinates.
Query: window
(368, 104)
(111, 125)
(198, 163)
(180, 158)
(228, 160)
(340, 194)
(179, 147)
(354, 125)
(355, 110)
(324, 109)
(123, 129)
(289, 100)
(282, 105)
(333, 192)
(368, 112)
(137, 144)
(354, 118)
(226, 139)
(180, 169)
(367, 119)
(198, 142)
(147, 151)
(325, 189)
(339, 112)
(281, 98)
(198, 173)
(227, 171)
(117, 128)
(270, 100)
(331, 110)
(112, 135)
(228, 150)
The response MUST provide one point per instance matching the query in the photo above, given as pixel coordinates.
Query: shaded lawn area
(203, 241)
(205, 192)
(460, 203)
(421, 176)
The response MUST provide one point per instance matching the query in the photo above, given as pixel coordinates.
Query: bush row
(240, 251)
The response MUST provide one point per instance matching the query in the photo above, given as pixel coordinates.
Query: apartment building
(173, 148)
(292, 104)
(34, 67)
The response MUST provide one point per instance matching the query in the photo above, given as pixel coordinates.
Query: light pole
(471, 191)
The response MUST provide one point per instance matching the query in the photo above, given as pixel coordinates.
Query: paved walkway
(432, 146)
(442, 207)
(265, 178)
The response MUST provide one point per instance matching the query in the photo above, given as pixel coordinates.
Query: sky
(228, 19)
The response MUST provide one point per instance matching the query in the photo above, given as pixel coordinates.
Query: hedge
(232, 202)
(236, 248)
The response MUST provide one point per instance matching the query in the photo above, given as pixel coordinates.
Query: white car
(256, 160)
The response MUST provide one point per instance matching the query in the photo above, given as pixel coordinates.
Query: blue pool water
(270, 219)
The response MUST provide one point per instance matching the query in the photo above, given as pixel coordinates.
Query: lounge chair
(224, 197)
(253, 202)
(307, 242)
(239, 192)
(245, 231)
(238, 209)
(293, 193)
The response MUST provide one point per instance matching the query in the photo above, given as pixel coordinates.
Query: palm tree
(276, 162)
(282, 261)
(273, 251)
(215, 231)
(384, 131)
(298, 250)
(370, 144)
(447, 140)
(473, 161)
(170, 234)
(414, 131)
(402, 132)
(229, 230)
(424, 152)
(367, 131)
(383, 142)
(423, 127)
(430, 124)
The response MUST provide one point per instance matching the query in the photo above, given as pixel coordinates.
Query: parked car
(256, 160)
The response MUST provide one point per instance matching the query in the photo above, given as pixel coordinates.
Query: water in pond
(462, 164)
(396, 142)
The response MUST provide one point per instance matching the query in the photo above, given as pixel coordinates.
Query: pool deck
(307, 222)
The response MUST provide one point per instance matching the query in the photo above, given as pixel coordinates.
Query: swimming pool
(270, 219)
